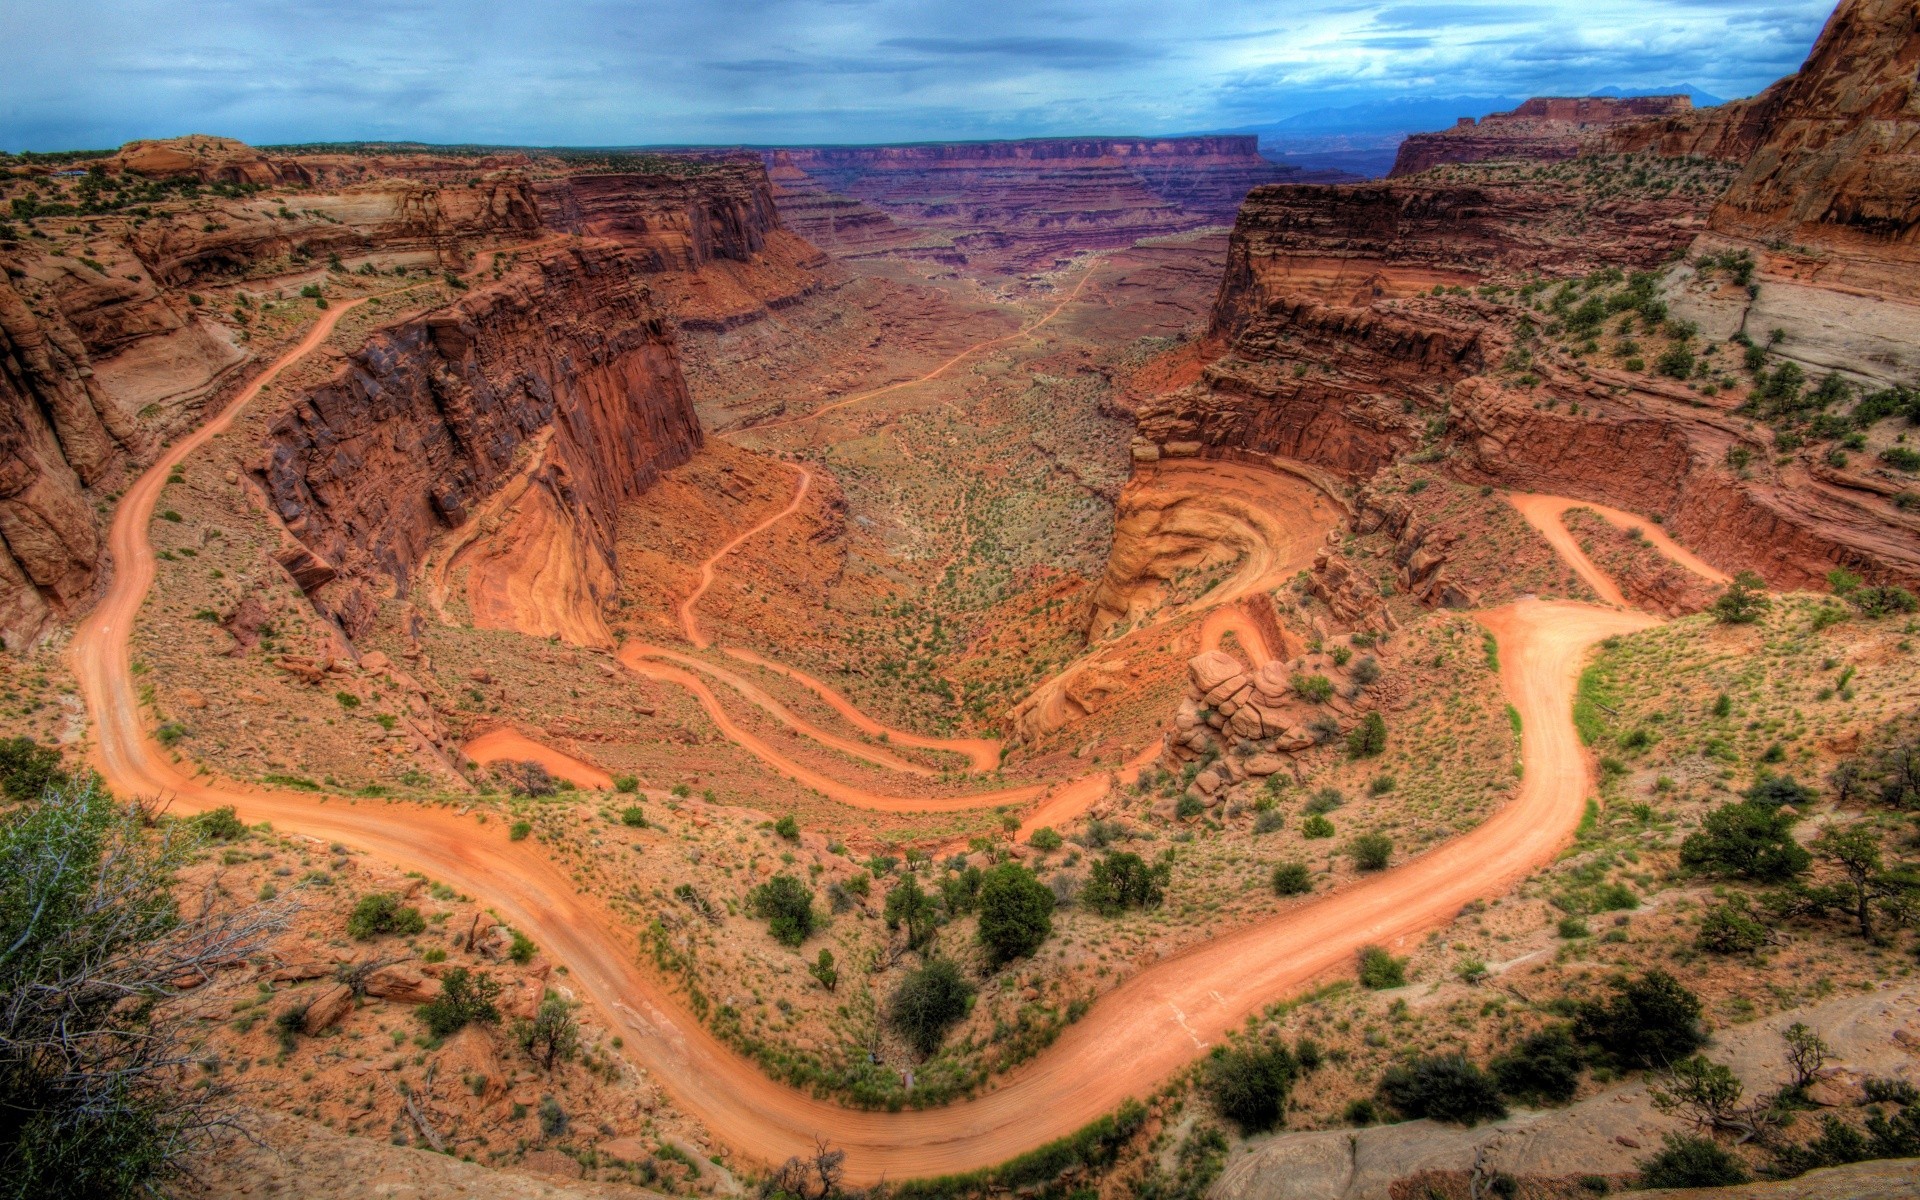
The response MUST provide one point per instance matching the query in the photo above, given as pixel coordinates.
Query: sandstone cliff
(1544, 129)
(563, 375)
(1838, 170)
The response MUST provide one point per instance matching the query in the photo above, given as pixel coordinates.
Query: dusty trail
(1547, 515)
(1150, 1026)
(512, 745)
(937, 372)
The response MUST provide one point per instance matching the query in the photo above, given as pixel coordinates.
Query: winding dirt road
(1130, 1041)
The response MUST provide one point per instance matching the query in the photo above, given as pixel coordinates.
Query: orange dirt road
(1547, 515)
(1130, 1041)
(513, 746)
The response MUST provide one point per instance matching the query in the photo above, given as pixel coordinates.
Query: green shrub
(1371, 851)
(219, 825)
(464, 998)
(1731, 928)
(787, 906)
(1749, 840)
(1316, 826)
(787, 828)
(1315, 689)
(522, 948)
(1016, 912)
(1248, 1084)
(1045, 839)
(1691, 1162)
(928, 1002)
(1268, 820)
(1544, 1066)
(633, 816)
(1369, 738)
(1442, 1087)
(907, 903)
(1292, 879)
(1744, 601)
(1647, 1022)
(1380, 970)
(518, 831)
(380, 913)
(626, 784)
(28, 769)
(1123, 880)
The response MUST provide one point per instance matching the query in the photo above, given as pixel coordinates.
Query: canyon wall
(1837, 174)
(1016, 204)
(563, 373)
(116, 334)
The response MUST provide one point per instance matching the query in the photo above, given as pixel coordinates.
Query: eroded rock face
(1544, 129)
(1839, 166)
(567, 354)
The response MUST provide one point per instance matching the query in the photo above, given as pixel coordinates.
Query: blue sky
(93, 73)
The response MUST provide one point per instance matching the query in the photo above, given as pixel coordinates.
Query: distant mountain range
(1362, 138)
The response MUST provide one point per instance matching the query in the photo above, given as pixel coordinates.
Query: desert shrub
(465, 997)
(219, 825)
(633, 816)
(1016, 912)
(1369, 738)
(1748, 839)
(1325, 801)
(1689, 1162)
(928, 1002)
(788, 828)
(1371, 851)
(520, 947)
(381, 913)
(786, 905)
(1544, 1066)
(1366, 672)
(1123, 880)
(1045, 839)
(28, 769)
(1775, 791)
(1649, 1021)
(1316, 826)
(553, 1035)
(1315, 689)
(518, 831)
(1884, 601)
(553, 1118)
(1269, 819)
(1380, 970)
(1292, 879)
(1442, 1087)
(1731, 928)
(1247, 1084)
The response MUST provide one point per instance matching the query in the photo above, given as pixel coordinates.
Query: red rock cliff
(1544, 129)
(564, 371)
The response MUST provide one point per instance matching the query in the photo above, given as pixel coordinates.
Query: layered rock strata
(1544, 129)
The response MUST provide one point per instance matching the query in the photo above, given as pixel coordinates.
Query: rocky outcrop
(1838, 170)
(1544, 129)
(1020, 204)
(563, 373)
(1730, 132)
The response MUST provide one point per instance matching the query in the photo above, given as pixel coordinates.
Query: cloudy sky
(94, 73)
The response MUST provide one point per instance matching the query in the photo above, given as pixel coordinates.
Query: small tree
(28, 769)
(1807, 1052)
(1750, 840)
(465, 997)
(1016, 912)
(928, 1002)
(824, 970)
(1247, 1084)
(1123, 880)
(1442, 1087)
(554, 1033)
(1744, 601)
(909, 905)
(786, 905)
(1731, 928)
(1369, 738)
(1867, 891)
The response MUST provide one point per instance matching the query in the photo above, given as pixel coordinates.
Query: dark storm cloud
(97, 72)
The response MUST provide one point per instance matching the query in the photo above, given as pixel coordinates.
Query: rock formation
(1017, 204)
(1544, 129)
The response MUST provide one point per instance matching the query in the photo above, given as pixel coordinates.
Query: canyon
(576, 545)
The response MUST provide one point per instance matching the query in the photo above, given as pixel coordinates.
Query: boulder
(1212, 669)
(327, 1009)
(401, 982)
